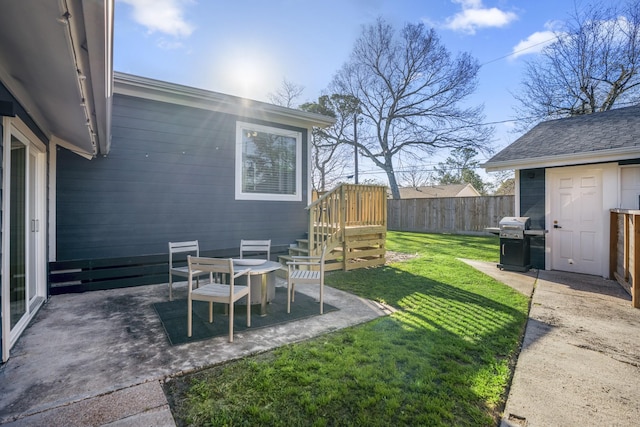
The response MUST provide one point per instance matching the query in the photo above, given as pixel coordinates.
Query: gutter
(602, 156)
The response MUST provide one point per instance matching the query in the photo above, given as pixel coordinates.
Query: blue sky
(247, 47)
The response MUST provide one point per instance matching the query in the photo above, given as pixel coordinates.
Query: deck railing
(624, 251)
(348, 205)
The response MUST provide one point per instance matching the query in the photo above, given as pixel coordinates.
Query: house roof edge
(144, 87)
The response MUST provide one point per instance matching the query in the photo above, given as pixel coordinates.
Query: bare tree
(329, 163)
(592, 66)
(409, 90)
(286, 94)
(332, 151)
(415, 176)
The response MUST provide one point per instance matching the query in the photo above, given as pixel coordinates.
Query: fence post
(635, 293)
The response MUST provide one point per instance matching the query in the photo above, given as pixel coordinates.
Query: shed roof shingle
(591, 133)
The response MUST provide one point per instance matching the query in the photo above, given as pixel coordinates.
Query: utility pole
(355, 143)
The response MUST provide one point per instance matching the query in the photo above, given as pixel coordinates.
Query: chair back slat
(211, 265)
(181, 248)
(255, 246)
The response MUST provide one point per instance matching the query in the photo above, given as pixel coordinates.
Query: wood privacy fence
(624, 251)
(460, 215)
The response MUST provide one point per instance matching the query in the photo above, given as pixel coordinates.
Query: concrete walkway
(100, 358)
(580, 360)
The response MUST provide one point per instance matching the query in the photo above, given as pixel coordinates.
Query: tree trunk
(393, 184)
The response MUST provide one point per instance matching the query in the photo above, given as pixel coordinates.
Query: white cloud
(533, 44)
(537, 41)
(474, 16)
(164, 16)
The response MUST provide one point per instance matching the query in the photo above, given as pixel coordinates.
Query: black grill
(515, 250)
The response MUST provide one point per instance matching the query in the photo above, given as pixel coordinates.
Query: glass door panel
(34, 224)
(17, 221)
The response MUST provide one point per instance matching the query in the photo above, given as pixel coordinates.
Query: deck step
(297, 250)
(302, 243)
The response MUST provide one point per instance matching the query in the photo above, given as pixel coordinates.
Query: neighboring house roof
(593, 138)
(143, 87)
(56, 60)
(449, 190)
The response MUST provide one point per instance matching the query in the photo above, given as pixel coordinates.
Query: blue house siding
(532, 187)
(169, 176)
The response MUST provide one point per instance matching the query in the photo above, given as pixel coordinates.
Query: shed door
(576, 220)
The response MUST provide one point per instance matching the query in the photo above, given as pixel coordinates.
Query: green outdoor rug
(173, 315)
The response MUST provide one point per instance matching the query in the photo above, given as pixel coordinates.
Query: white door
(576, 220)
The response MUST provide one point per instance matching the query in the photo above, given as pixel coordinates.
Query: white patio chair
(188, 248)
(312, 272)
(226, 293)
(255, 246)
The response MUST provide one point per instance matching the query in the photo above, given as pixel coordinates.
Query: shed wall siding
(532, 197)
(169, 177)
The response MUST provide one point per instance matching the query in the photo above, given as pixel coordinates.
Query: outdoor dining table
(258, 267)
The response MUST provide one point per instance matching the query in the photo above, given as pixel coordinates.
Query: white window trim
(240, 195)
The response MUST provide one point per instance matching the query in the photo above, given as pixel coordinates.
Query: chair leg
(321, 297)
(210, 311)
(249, 308)
(170, 288)
(231, 322)
(189, 320)
(289, 296)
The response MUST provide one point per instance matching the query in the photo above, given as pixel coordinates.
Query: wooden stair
(351, 220)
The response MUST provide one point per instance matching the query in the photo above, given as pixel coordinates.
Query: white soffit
(55, 59)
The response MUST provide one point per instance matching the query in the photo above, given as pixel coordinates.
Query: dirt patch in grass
(392, 257)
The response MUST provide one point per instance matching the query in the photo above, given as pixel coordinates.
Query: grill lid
(515, 223)
(513, 227)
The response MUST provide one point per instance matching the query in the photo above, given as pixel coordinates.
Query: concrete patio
(98, 358)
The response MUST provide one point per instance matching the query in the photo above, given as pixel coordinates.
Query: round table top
(264, 267)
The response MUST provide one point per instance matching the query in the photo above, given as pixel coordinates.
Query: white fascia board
(99, 18)
(602, 156)
(71, 147)
(142, 87)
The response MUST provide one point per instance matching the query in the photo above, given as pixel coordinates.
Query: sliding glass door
(24, 290)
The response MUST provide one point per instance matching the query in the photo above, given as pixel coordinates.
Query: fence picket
(460, 215)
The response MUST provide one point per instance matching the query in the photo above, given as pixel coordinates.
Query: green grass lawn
(443, 358)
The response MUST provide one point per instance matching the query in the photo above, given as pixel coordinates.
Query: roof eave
(601, 156)
(142, 87)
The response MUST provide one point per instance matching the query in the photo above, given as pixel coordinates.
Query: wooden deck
(352, 221)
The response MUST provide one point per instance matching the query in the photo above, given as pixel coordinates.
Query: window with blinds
(268, 163)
